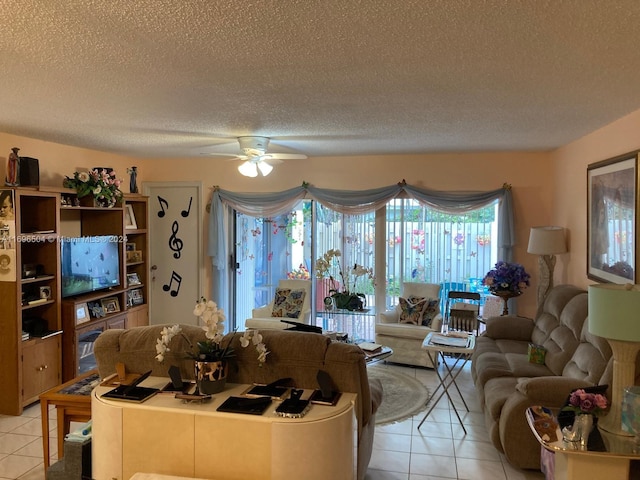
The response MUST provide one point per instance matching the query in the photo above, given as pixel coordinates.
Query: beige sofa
(298, 355)
(508, 383)
(406, 339)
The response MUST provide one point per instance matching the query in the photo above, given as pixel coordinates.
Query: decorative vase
(582, 426)
(505, 295)
(211, 377)
(329, 304)
(91, 201)
(349, 301)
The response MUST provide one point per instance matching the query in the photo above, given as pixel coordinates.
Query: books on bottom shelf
(449, 340)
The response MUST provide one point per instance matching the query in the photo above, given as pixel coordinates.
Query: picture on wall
(612, 205)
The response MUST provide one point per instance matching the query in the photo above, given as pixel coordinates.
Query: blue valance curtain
(350, 202)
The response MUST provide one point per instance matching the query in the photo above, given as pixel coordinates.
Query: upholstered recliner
(406, 338)
(286, 305)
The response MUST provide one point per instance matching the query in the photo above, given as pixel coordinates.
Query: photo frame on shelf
(612, 205)
(110, 305)
(134, 256)
(82, 313)
(136, 297)
(133, 279)
(129, 218)
(129, 247)
(45, 292)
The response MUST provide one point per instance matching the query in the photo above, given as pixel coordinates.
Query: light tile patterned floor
(439, 450)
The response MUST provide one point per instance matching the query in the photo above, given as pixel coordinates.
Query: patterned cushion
(288, 303)
(418, 310)
(411, 310)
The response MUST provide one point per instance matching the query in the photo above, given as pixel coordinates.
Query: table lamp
(546, 242)
(613, 314)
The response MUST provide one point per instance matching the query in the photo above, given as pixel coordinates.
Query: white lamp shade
(614, 311)
(264, 168)
(248, 169)
(546, 241)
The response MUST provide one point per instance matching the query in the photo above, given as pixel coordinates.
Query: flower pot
(349, 301)
(91, 201)
(211, 377)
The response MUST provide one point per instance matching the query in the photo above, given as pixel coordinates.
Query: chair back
(462, 311)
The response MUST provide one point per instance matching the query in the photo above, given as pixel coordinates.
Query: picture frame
(82, 313)
(110, 305)
(612, 208)
(133, 279)
(45, 292)
(129, 218)
(129, 247)
(134, 256)
(137, 297)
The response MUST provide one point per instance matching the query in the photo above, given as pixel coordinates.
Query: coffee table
(462, 354)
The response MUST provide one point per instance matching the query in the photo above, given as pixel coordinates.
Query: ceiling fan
(256, 159)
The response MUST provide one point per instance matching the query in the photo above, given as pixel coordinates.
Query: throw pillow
(411, 311)
(430, 311)
(288, 303)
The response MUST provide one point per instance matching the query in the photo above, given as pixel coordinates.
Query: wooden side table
(70, 407)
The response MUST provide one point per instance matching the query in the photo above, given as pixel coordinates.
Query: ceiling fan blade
(286, 156)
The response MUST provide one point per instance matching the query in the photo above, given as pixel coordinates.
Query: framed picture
(82, 313)
(133, 279)
(45, 292)
(110, 305)
(136, 296)
(129, 217)
(612, 206)
(130, 247)
(95, 309)
(134, 256)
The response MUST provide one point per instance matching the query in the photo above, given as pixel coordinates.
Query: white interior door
(175, 250)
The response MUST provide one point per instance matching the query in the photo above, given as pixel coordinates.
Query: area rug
(403, 397)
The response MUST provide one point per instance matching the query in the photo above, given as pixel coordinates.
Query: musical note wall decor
(185, 213)
(163, 203)
(167, 286)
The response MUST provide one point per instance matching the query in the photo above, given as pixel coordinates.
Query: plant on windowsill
(100, 185)
(348, 297)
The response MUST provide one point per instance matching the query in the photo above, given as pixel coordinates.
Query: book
(449, 341)
(250, 406)
(130, 393)
(370, 347)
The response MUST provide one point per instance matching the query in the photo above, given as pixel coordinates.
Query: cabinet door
(138, 317)
(40, 370)
(117, 322)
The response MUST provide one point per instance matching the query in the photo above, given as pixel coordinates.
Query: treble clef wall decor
(175, 243)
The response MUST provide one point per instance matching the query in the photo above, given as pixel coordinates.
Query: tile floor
(439, 450)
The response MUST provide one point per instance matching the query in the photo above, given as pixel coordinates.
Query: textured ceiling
(320, 77)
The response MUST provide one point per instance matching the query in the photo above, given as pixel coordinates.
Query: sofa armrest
(436, 323)
(549, 391)
(262, 312)
(389, 316)
(509, 327)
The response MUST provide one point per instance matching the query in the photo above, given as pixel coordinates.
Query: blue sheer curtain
(348, 202)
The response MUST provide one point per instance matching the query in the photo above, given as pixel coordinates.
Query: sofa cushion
(288, 303)
(402, 330)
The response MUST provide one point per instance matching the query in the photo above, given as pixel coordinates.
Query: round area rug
(403, 396)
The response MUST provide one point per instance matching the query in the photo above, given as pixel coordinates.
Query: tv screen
(89, 264)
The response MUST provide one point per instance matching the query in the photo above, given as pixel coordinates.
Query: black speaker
(29, 171)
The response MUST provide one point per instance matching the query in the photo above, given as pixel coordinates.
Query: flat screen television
(89, 264)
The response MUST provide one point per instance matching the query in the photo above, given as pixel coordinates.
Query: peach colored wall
(570, 192)
(529, 174)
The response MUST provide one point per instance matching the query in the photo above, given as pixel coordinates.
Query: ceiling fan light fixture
(248, 169)
(264, 168)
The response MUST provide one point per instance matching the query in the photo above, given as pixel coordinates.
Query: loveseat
(508, 383)
(404, 338)
(298, 355)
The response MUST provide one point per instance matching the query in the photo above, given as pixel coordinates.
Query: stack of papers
(449, 341)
